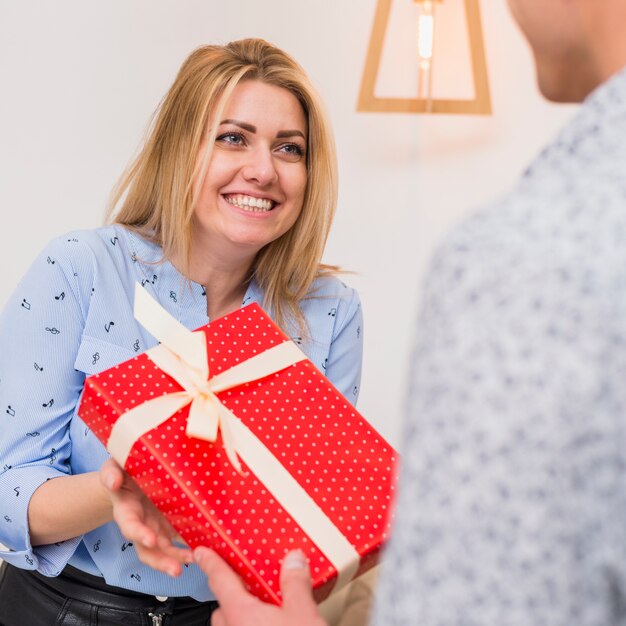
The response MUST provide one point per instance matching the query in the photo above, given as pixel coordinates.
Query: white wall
(79, 79)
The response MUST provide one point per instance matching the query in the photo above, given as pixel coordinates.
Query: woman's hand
(142, 523)
(239, 608)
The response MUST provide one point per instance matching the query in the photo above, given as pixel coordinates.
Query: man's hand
(142, 523)
(239, 608)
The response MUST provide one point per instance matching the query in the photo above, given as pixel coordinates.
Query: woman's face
(256, 179)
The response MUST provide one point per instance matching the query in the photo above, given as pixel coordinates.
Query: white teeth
(250, 203)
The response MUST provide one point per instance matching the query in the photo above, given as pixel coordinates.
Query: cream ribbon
(182, 354)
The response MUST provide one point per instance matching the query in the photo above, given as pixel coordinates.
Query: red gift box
(314, 474)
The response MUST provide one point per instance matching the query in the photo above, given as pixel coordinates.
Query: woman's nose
(260, 168)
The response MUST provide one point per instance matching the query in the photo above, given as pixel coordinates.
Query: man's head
(577, 44)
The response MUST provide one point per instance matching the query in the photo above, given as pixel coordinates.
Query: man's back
(513, 501)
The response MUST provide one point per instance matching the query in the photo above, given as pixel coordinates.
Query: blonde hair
(155, 195)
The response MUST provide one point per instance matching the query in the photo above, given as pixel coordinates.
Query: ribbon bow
(183, 355)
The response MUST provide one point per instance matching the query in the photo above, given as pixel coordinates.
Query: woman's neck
(225, 279)
(225, 290)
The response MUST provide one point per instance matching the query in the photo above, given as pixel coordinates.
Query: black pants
(78, 599)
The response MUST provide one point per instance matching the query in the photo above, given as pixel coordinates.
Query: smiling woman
(229, 202)
(252, 107)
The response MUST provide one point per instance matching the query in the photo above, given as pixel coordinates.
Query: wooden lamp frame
(479, 105)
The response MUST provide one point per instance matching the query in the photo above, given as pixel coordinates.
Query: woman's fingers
(169, 561)
(132, 525)
(142, 523)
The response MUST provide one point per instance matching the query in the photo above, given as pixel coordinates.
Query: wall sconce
(425, 102)
(425, 44)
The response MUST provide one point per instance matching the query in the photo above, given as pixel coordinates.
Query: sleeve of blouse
(40, 331)
(345, 357)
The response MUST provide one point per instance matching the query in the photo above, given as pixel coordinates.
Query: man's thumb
(295, 580)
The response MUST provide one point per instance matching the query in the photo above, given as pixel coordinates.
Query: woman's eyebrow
(289, 133)
(252, 129)
(249, 127)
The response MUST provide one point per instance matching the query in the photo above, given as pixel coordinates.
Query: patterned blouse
(71, 316)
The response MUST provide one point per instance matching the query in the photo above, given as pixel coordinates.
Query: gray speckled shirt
(512, 507)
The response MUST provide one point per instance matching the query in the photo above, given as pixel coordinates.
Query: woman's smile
(249, 203)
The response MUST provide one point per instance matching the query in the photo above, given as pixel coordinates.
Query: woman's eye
(292, 150)
(234, 139)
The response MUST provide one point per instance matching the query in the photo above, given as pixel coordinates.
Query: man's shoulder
(570, 201)
(532, 241)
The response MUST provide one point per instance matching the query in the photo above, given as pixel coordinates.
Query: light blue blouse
(71, 316)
